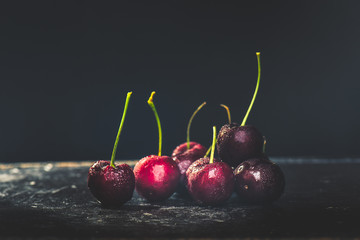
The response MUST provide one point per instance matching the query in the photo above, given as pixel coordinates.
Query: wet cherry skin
(111, 186)
(156, 177)
(236, 143)
(184, 158)
(259, 180)
(210, 184)
(196, 150)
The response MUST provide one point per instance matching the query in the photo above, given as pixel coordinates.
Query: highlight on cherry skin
(156, 176)
(112, 184)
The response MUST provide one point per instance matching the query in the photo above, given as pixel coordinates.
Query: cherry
(195, 149)
(111, 184)
(258, 180)
(186, 153)
(236, 143)
(184, 160)
(210, 182)
(156, 177)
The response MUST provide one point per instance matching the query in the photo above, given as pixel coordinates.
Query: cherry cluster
(242, 167)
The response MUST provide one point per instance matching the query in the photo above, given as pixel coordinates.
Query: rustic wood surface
(322, 199)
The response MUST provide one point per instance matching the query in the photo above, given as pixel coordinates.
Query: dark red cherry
(236, 143)
(184, 157)
(187, 153)
(196, 150)
(111, 186)
(259, 180)
(156, 177)
(210, 184)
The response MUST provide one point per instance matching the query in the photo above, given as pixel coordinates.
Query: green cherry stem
(207, 152)
(256, 90)
(189, 125)
(264, 146)
(120, 128)
(151, 104)
(213, 145)
(227, 111)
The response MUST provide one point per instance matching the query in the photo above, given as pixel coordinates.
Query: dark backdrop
(65, 68)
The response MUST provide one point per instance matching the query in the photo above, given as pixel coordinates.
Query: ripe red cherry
(210, 182)
(156, 177)
(195, 150)
(259, 180)
(186, 153)
(111, 184)
(236, 143)
(184, 158)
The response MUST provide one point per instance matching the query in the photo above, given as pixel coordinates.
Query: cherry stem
(256, 90)
(264, 146)
(228, 112)
(120, 128)
(189, 125)
(207, 152)
(151, 104)
(213, 145)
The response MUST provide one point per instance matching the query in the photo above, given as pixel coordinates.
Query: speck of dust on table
(321, 199)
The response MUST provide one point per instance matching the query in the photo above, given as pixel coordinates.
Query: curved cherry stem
(151, 104)
(256, 90)
(189, 125)
(213, 145)
(227, 111)
(120, 128)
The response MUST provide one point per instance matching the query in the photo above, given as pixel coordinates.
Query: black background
(65, 68)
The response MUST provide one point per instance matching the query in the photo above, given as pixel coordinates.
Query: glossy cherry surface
(111, 186)
(210, 184)
(156, 177)
(236, 143)
(184, 157)
(259, 180)
(196, 150)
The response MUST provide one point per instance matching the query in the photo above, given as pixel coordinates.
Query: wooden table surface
(322, 199)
